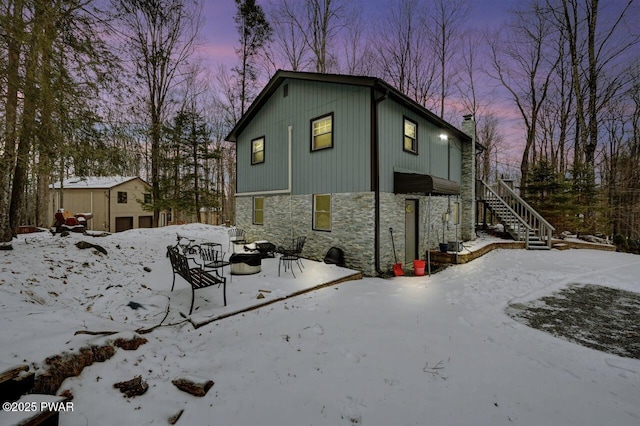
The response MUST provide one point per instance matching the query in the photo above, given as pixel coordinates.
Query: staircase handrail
(527, 227)
(546, 228)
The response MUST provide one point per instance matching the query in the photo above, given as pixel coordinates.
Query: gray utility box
(455, 246)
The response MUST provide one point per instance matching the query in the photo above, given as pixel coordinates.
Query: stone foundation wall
(430, 226)
(352, 223)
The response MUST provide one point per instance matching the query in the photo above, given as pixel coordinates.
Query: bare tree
(358, 53)
(524, 65)
(318, 23)
(288, 48)
(230, 104)
(595, 48)
(558, 114)
(488, 134)
(618, 160)
(472, 93)
(159, 38)
(401, 42)
(468, 85)
(445, 21)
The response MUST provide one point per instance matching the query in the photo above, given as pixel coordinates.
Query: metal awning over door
(416, 183)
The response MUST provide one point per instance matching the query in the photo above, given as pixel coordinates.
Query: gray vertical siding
(344, 168)
(434, 154)
(345, 172)
(455, 165)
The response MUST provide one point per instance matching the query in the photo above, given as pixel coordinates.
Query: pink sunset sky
(219, 34)
(219, 37)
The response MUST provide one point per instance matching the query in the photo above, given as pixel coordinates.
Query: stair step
(536, 247)
(537, 244)
(513, 223)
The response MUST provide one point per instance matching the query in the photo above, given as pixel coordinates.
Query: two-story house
(342, 159)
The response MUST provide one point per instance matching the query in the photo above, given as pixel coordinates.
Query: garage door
(145, 222)
(124, 223)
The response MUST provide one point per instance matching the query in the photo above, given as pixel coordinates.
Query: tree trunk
(14, 35)
(26, 135)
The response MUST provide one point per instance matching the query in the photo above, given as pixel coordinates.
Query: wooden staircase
(519, 219)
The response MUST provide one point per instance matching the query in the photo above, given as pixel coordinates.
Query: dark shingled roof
(353, 80)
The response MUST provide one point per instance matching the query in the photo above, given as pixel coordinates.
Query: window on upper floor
(258, 211)
(147, 198)
(257, 150)
(122, 197)
(322, 132)
(410, 141)
(322, 212)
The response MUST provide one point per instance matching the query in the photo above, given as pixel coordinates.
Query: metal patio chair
(212, 257)
(236, 236)
(291, 254)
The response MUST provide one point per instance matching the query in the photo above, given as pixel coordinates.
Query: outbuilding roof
(94, 182)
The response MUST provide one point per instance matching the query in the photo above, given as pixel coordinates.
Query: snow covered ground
(436, 350)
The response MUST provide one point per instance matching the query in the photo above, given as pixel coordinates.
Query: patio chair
(291, 254)
(236, 236)
(212, 257)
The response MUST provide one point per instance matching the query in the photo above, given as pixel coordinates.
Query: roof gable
(376, 83)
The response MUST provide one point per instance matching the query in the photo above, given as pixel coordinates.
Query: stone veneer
(430, 227)
(468, 184)
(353, 219)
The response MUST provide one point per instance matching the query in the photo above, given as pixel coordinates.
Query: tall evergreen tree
(13, 36)
(255, 31)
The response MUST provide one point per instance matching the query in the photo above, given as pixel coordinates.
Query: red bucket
(397, 270)
(418, 267)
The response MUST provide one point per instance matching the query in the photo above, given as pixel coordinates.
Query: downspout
(375, 174)
(290, 172)
(108, 195)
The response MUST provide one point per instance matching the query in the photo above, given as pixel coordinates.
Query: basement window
(258, 211)
(322, 212)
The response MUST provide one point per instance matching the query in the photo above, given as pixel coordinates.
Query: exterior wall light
(444, 137)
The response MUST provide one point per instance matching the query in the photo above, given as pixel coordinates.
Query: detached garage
(115, 202)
